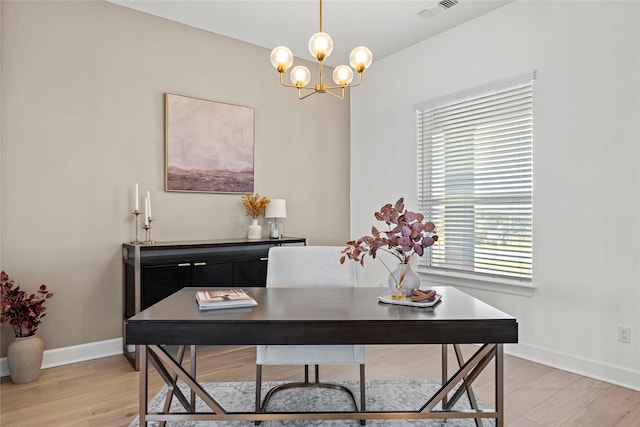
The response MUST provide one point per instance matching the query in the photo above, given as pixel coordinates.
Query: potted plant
(255, 205)
(408, 234)
(24, 312)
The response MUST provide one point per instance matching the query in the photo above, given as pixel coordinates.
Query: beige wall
(82, 121)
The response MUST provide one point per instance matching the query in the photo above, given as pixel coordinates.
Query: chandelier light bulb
(300, 76)
(342, 75)
(320, 46)
(360, 58)
(281, 58)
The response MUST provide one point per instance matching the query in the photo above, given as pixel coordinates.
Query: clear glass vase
(402, 280)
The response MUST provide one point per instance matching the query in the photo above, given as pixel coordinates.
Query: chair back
(313, 266)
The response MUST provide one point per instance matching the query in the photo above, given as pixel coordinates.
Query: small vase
(255, 230)
(403, 279)
(24, 357)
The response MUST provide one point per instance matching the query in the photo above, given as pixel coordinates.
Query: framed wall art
(209, 146)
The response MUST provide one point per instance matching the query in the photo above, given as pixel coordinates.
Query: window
(475, 180)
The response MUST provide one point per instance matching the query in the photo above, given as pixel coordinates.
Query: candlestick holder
(147, 228)
(136, 213)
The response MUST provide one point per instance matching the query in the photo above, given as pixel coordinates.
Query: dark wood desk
(325, 316)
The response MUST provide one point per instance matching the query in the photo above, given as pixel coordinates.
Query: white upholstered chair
(317, 266)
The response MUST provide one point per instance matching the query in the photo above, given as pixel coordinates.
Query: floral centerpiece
(254, 204)
(21, 310)
(408, 234)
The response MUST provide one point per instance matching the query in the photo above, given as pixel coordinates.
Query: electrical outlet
(624, 334)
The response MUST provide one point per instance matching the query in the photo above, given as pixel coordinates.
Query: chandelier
(320, 47)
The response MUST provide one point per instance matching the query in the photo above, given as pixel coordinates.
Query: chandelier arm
(356, 84)
(334, 94)
(283, 83)
(288, 85)
(313, 92)
(297, 87)
(359, 81)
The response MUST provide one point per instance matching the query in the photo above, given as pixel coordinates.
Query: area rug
(390, 395)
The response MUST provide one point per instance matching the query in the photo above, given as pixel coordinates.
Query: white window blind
(475, 179)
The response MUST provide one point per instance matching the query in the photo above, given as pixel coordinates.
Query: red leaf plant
(22, 311)
(408, 234)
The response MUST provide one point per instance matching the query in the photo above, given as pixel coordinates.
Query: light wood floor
(104, 392)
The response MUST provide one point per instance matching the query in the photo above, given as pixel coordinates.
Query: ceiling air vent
(439, 7)
(448, 3)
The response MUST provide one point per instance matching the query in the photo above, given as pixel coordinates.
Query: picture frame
(209, 146)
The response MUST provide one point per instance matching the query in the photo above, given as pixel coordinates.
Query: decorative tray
(386, 298)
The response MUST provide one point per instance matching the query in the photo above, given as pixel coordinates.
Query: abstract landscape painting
(209, 145)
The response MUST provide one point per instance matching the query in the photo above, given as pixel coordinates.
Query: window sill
(465, 280)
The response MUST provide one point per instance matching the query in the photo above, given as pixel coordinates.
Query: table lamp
(276, 208)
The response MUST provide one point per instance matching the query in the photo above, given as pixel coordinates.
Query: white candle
(135, 198)
(149, 198)
(146, 211)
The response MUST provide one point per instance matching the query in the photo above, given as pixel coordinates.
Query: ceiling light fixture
(320, 47)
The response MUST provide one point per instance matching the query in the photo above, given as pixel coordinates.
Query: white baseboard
(73, 354)
(567, 362)
(595, 369)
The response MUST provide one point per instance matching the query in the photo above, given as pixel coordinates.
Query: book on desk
(224, 298)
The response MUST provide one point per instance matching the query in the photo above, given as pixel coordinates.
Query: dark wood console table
(324, 316)
(153, 272)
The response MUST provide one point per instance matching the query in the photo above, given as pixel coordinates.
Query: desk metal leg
(171, 392)
(499, 385)
(446, 403)
(163, 362)
(467, 384)
(468, 380)
(468, 372)
(169, 397)
(475, 364)
(144, 391)
(171, 371)
(192, 358)
(170, 375)
(445, 370)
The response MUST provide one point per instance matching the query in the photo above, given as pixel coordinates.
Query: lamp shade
(276, 208)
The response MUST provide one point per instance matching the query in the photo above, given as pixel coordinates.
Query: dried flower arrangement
(22, 311)
(409, 234)
(254, 204)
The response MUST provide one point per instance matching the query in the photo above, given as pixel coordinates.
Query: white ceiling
(385, 27)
